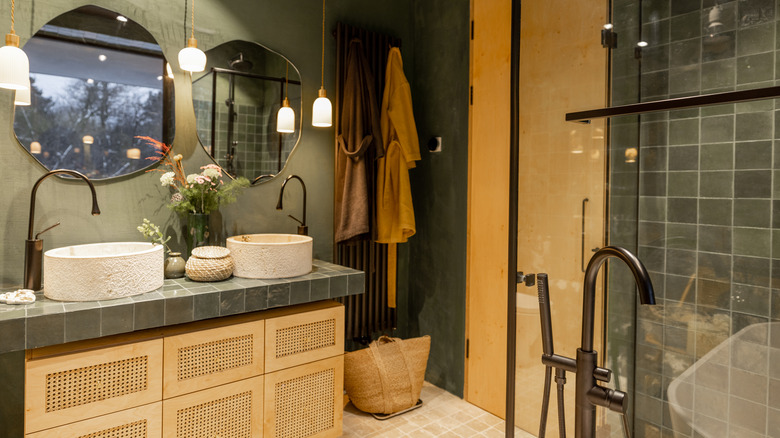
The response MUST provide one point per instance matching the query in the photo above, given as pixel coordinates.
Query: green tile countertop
(49, 322)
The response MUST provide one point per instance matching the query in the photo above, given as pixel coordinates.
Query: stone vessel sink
(102, 271)
(270, 255)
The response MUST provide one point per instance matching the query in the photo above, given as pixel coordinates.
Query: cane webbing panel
(305, 337)
(213, 357)
(136, 429)
(229, 417)
(304, 405)
(81, 386)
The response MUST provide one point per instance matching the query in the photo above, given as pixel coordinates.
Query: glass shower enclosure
(695, 192)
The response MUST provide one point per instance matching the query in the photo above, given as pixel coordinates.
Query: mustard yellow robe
(395, 212)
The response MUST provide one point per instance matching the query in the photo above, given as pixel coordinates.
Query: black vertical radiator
(366, 314)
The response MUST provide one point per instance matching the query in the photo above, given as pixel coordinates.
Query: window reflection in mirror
(98, 81)
(236, 101)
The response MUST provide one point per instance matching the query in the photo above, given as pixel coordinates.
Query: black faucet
(588, 394)
(33, 248)
(302, 228)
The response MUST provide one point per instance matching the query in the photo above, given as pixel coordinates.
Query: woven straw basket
(209, 263)
(387, 377)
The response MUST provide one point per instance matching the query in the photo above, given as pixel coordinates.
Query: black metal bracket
(529, 279)
(609, 38)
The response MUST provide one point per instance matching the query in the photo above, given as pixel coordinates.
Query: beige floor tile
(441, 415)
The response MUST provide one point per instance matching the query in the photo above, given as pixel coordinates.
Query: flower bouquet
(196, 194)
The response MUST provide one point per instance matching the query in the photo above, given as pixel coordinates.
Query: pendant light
(285, 118)
(322, 112)
(14, 65)
(191, 58)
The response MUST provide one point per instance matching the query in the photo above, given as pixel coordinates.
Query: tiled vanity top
(48, 322)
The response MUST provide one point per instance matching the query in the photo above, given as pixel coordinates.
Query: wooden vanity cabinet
(275, 373)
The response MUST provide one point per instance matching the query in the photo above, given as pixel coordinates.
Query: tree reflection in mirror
(98, 81)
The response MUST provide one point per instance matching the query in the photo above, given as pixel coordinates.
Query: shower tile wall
(706, 188)
(255, 132)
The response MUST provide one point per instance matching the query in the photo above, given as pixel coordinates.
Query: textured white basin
(102, 271)
(270, 255)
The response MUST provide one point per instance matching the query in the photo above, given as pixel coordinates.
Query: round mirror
(98, 81)
(237, 101)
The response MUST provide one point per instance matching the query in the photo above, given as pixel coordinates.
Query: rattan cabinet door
(141, 422)
(305, 401)
(234, 410)
(304, 337)
(72, 387)
(207, 358)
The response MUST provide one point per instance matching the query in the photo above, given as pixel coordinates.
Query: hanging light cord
(286, 78)
(13, 20)
(192, 27)
(322, 65)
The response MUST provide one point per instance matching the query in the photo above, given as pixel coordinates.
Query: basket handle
(380, 364)
(402, 345)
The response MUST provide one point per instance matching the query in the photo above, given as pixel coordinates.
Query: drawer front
(233, 410)
(207, 358)
(305, 337)
(73, 387)
(305, 401)
(141, 422)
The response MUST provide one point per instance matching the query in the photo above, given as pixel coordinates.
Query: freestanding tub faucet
(33, 248)
(588, 394)
(303, 229)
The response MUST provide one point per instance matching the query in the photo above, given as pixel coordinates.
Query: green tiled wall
(701, 196)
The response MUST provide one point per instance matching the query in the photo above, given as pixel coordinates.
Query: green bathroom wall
(433, 263)
(435, 50)
(291, 27)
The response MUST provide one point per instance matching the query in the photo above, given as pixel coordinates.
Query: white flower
(191, 178)
(211, 173)
(177, 157)
(167, 178)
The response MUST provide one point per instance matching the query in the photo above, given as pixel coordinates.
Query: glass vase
(197, 231)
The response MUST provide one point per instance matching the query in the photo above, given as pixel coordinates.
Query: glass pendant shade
(14, 65)
(322, 111)
(285, 118)
(191, 58)
(22, 97)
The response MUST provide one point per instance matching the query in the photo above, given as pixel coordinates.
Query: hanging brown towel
(359, 137)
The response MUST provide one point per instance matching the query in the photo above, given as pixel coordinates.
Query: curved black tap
(642, 278)
(588, 393)
(302, 228)
(33, 249)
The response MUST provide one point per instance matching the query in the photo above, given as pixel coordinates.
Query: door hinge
(471, 95)
(467, 348)
(472, 30)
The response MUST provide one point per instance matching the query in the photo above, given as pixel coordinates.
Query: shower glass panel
(695, 192)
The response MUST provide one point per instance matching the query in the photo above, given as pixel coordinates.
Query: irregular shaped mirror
(236, 103)
(98, 81)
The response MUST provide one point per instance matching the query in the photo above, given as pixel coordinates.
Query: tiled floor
(441, 415)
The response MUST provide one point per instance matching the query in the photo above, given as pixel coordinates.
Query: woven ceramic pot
(209, 263)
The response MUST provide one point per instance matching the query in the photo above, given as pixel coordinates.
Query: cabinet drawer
(305, 401)
(231, 410)
(141, 422)
(207, 358)
(304, 337)
(72, 387)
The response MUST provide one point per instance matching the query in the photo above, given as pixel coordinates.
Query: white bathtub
(732, 391)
